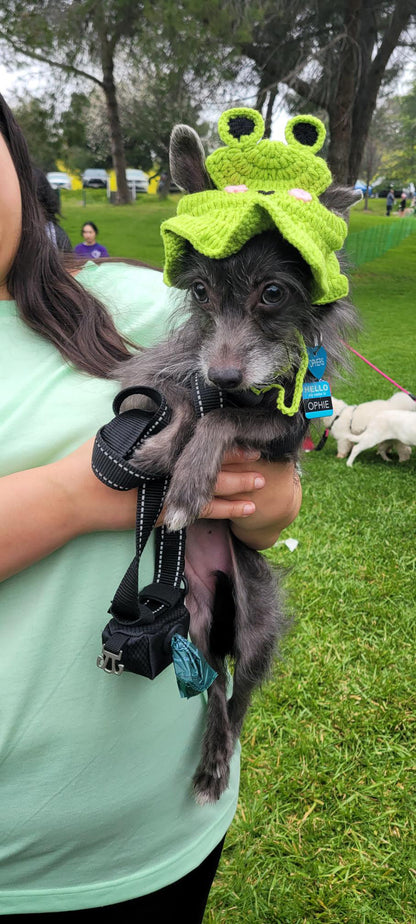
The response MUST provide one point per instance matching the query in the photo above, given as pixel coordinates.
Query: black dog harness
(138, 637)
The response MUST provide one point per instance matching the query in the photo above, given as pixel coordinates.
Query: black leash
(321, 443)
(138, 636)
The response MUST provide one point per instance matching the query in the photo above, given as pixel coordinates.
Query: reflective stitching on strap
(157, 422)
(113, 484)
(201, 407)
(142, 499)
(162, 542)
(180, 543)
(126, 468)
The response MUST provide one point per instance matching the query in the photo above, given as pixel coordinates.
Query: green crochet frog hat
(261, 185)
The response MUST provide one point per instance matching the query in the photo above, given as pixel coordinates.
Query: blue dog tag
(317, 399)
(317, 361)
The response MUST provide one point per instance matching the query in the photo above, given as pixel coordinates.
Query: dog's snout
(225, 378)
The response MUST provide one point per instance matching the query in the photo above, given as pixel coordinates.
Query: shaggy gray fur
(242, 316)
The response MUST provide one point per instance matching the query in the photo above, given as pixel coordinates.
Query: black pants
(183, 901)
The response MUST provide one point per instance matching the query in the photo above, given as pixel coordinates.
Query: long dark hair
(49, 299)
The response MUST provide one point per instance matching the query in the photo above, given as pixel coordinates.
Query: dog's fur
(349, 421)
(391, 426)
(235, 337)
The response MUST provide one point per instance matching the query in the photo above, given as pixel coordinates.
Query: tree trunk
(123, 196)
(340, 110)
(261, 94)
(269, 113)
(164, 184)
(350, 80)
(366, 99)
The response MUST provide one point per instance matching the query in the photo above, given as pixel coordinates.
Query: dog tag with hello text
(317, 395)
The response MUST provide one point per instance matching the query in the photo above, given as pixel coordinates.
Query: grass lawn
(325, 824)
(131, 231)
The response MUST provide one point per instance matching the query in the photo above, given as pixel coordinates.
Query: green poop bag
(193, 673)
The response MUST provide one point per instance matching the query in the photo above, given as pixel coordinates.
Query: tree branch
(308, 91)
(71, 68)
(400, 19)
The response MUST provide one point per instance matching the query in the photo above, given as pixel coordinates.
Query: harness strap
(205, 397)
(117, 440)
(114, 445)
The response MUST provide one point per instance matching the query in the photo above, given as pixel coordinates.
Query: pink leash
(378, 370)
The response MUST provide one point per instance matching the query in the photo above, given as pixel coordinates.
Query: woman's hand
(44, 508)
(260, 498)
(270, 494)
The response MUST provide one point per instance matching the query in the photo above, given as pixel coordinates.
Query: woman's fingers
(221, 508)
(234, 487)
(224, 509)
(244, 482)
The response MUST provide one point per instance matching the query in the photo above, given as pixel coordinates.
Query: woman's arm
(44, 508)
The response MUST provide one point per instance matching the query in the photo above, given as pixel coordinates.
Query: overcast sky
(34, 79)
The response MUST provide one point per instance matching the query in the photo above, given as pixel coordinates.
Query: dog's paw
(182, 506)
(176, 518)
(210, 783)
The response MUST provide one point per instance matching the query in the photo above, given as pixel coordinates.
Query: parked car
(137, 178)
(59, 180)
(94, 178)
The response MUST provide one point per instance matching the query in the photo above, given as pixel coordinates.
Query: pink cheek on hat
(301, 194)
(235, 189)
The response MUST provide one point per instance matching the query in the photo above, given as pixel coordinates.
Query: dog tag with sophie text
(317, 395)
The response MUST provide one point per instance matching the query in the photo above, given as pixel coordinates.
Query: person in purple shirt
(90, 248)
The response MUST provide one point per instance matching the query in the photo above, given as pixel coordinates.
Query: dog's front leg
(197, 468)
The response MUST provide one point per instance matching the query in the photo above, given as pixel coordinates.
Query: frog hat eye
(307, 131)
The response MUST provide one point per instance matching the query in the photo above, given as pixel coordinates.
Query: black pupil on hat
(240, 126)
(305, 133)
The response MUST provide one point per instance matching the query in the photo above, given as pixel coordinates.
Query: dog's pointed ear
(187, 160)
(340, 199)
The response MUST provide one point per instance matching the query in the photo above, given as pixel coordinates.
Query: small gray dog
(244, 317)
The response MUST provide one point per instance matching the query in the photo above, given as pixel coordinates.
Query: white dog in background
(394, 426)
(349, 421)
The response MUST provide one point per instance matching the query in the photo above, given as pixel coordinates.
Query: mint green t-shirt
(96, 770)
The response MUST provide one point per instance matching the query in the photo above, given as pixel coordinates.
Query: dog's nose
(225, 378)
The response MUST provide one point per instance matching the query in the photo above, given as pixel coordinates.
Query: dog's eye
(272, 294)
(200, 293)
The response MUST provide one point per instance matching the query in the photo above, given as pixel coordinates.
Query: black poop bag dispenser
(143, 622)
